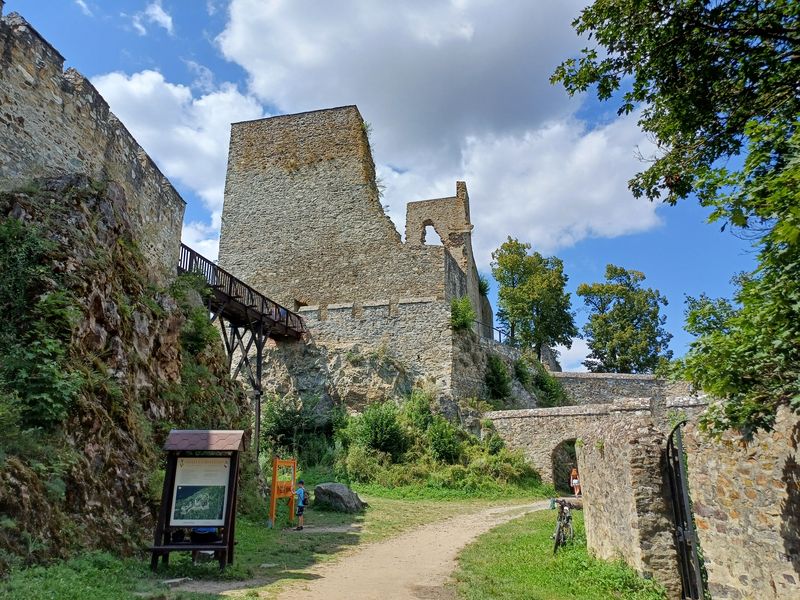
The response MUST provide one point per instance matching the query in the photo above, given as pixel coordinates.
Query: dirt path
(414, 565)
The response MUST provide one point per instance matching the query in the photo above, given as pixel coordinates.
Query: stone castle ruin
(302, 222)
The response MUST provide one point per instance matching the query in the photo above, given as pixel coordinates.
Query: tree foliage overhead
(698, 71)
(716, 81)
(625, 331)
(533, 306)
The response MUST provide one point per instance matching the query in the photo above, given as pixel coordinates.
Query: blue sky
(453, 89)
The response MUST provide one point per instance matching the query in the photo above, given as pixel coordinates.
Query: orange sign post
(281, 488)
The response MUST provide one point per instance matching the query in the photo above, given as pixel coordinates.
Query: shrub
(378, 428)
(416, 411)
(462, 315)
(498, 381)
(522, 373)
(444, 441)
(292, 423)
(551, 392)
(362, 464)
(483, 285)
(493, 443)
(38, 317)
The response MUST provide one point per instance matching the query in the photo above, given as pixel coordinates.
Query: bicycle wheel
(559, 536)
(570, 531)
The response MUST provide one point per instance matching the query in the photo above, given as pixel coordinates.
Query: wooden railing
(225, 283)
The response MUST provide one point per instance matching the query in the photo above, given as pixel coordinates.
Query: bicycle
(564, 529)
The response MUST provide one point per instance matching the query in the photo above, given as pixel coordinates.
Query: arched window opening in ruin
(564, 459)
(431, 237)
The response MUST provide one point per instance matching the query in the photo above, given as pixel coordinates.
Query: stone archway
(563, 459)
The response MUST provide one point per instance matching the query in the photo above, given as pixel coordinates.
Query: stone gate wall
(627, 510)
(54, 123)
(746, 499)
(537, 432)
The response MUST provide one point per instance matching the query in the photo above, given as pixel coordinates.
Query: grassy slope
(516, 560)
(100, 576)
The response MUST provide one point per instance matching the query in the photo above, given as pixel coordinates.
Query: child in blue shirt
(301, 504)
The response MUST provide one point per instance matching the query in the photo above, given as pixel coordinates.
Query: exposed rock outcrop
(91, 478)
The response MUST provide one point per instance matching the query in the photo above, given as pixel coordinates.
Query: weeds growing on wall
(462, 315)
(535, 378)
(549, 390)
(483, 285)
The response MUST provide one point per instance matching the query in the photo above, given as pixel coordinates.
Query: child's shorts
(300, 510)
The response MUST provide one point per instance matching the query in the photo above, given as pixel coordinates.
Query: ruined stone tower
(302, 222)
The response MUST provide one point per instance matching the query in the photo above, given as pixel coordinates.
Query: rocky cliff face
(80, 454)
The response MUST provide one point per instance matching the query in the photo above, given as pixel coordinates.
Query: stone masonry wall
(54, 123)
(470, 357)
(358, 353)
(746, 499)
(364, 352)
(450, 219)
(302, 220)
(537, 432)
(598, 388)
(626, 504)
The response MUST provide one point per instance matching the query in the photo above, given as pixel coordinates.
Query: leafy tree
(533, 305)
(625, 330)
(715, 80)
(700, 72)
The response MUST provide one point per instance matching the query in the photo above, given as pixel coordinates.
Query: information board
(201, 492)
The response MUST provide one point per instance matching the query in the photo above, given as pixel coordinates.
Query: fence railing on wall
(497, 335)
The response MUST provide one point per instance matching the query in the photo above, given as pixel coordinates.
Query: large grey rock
(338, 497)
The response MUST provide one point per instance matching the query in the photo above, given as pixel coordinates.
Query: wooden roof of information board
(204, 439)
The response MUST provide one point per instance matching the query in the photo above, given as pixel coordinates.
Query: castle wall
(537, 432)
(450, 219)
(358, 353)
(54, 123)
(746, 501)
(627, 510)
(302, 220)
(598, 388)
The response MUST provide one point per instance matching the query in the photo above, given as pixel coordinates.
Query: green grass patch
(269, 557)
(430, 491)
(516, 560)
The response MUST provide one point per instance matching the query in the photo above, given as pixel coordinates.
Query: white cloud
(454, 89)
(202, 238)
(571, 359)
(155, 13)
(136, 22)
(556, 185)
(425, 73)
(204, 77)
(186, 135)
(84, 8)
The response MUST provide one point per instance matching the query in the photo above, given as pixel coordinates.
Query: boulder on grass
(338, 497)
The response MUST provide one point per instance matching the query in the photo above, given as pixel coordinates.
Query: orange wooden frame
(281, 488)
